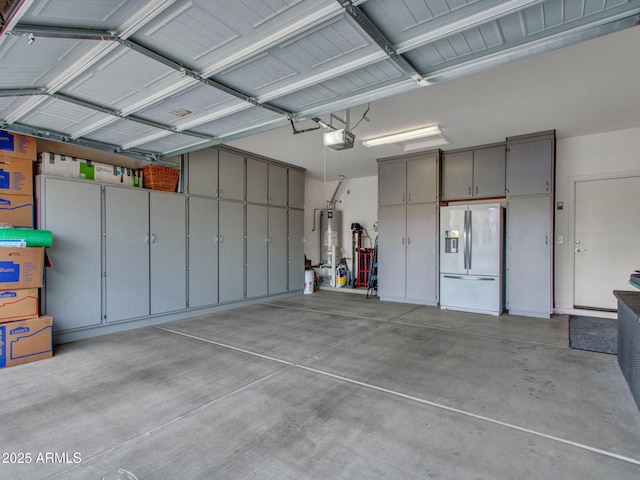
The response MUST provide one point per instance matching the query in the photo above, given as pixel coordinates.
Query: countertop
(630, 299)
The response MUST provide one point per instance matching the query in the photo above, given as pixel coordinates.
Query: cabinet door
(73, 288)
(422, 238)
(168, 270)
(392, 183)
(277, 186)
(277, 250)
(257, 185)
(457, 175)
(489, 172)
(296, 250)
(391, 251)
(257, 248)
(529, 256)
(231, 251)
(296, 189)
(203, 172)
(422, 180)
(231, 176)
(127, 239)
(203, 252)
(530, 166)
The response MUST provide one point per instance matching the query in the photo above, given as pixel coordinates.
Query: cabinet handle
(409, 198)
(469, 190)
(146, 238)
(403, 198)
(220, 193)
(403, 240)
(546, 186)
(220, 239)
(476, 189)
(217, 193)
(409, 241)
(153, 238)
(217, 239)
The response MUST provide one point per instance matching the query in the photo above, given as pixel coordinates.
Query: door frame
(573, 181)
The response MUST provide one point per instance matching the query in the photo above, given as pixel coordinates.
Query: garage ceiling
(157, 78)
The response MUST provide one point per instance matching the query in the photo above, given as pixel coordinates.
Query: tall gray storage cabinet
(408, 191)
(529, 228)
(73, 286)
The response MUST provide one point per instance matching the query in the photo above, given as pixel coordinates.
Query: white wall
(578, 158)
(357, 198)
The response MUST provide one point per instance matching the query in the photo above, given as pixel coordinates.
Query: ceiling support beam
(377, 36)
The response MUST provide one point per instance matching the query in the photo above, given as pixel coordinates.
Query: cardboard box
(21, 267)
(16, 210)
(18, 304)
(26, 341)
(72, 167)
(16, 176)
(16, 145)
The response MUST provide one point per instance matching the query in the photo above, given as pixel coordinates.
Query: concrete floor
(323, 386)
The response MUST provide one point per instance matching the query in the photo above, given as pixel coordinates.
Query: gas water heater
(330, 226)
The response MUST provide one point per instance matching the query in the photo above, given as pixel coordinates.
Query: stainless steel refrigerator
(471, 258)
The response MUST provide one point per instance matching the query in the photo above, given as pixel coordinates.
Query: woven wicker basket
(159, 177)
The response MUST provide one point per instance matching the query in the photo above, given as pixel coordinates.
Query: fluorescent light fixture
(430, 131)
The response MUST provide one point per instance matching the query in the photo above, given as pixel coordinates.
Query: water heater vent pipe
(331, 204)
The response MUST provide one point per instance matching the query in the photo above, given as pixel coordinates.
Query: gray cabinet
(277, 181)
(277, 251)
(202, 173)
(410, 180)
(530, 165)
(230, 176)
(257, 248)
(266, 250)
(203, 252)
(168, 252)
(295, 251)
(230, 251)
(408, 258)
(457, 175)
(145, 253)
(478, 173)
(127, 260)
(530, 195)
(296, 189)
(529, 256)
(266, 183)
(392, 182)
(72, 294)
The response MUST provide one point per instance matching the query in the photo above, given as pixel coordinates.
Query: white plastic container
(308, 281)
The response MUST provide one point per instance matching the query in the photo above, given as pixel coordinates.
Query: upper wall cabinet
(296, 189)
(203, 173)
(478, 173)
(411, 179)
(230, 176)
(530, 164)
(266, 183)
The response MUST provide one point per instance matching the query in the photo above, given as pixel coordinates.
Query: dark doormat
(594, 334)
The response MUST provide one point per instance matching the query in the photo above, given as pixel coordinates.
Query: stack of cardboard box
(24, 335)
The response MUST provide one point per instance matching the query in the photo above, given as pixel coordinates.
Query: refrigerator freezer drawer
(471, 293)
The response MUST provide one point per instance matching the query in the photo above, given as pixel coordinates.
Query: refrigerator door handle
(470, 240)
(465, 239)
(465, 277)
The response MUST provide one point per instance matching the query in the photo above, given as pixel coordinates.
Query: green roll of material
(34, 238)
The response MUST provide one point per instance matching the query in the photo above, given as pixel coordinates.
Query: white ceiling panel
(103, 84)
(198, 104)
(209, 35)
(38, 63)
(237, 121)
(86, 14)
(62, 117)
(135, 72)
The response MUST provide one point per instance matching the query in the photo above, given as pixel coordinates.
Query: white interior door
(607, 239)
